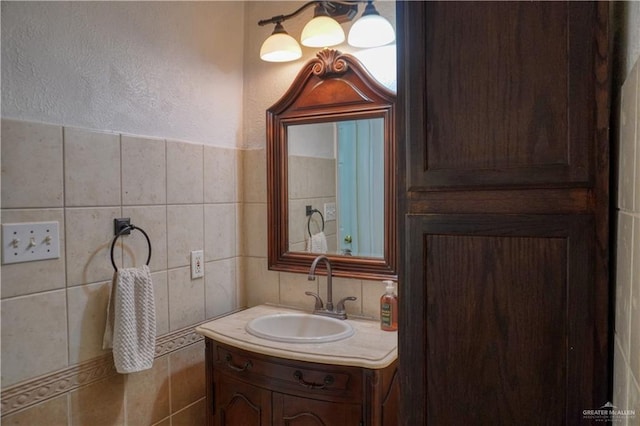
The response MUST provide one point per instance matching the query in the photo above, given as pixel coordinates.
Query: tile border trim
(25, 394)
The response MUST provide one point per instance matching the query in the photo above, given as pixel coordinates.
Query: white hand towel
(131, 320)
(317, 243)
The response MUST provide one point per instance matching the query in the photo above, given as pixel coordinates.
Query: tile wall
(53, 311)
(186, 197)
(312, 182)
(626, 394)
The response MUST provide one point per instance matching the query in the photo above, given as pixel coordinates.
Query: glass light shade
(322, 31)
(280, 47)
(371, 31)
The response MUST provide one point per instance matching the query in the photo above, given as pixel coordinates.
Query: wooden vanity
(253, 381)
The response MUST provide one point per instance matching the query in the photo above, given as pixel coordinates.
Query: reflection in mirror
(337, 168)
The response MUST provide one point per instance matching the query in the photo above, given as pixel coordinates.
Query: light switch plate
(329, 211)
(29, 241)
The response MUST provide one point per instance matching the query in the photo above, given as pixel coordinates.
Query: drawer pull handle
(247, 365)
(328, 381)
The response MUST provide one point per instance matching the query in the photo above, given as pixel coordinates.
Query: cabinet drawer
(328, 382)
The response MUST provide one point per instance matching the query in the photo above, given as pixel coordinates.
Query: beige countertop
(369, 347)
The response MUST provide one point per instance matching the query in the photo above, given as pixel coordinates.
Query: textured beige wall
(162, 69)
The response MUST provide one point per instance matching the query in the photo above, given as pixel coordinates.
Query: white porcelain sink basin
(299, 328)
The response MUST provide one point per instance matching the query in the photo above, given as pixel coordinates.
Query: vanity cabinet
(503, 162)
(245, 388)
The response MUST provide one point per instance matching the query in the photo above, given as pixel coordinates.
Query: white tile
(240, 229)
(92, 168)
(220, 287)
(32, 166)
(186, 299)
(620, 376)
(240, 171)
(34, 336)
(87, 319)
(153, 220)
(241, 296)
(636, 181)
(52, 412)
(144, 171)
(187, 372)
(89, 233)
(371, 293)
(298, 220)
(255, 230)
(220, 175)
(260, 284)
(161, 299)
(254, 174)
(185, 233)
(31, 277)
(634, 322)
(220, 231)
(293, 288)
(311, 177)
(343, 287)
(184, 173)
(147, 394)
(633, 400)
(627, 163)
(298, 247)
(99, 403)
(623, 280)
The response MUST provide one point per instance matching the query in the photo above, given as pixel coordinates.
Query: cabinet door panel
(391, 402)
(295, 411)
(240, 404)
(505, 98)
(508, 303)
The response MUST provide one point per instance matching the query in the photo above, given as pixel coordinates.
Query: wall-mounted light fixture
(324, 30)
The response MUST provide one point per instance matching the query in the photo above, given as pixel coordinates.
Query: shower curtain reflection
(361, 187)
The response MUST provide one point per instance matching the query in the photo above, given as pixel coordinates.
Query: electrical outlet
(197, 264)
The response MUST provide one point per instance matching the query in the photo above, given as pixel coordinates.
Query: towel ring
(125, 230)
(310, 214)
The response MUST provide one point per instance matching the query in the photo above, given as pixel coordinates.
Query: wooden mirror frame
(331, 87)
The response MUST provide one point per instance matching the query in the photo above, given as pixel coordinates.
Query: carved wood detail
(328, 62)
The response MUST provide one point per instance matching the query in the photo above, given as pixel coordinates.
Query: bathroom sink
(299, 328)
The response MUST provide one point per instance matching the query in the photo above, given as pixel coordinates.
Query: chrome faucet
(319, 308)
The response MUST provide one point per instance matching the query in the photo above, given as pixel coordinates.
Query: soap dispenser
(389, 308)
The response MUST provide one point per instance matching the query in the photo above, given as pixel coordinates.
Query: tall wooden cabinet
(503, 222)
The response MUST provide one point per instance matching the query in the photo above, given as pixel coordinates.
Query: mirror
(336, 187)
(330, 166)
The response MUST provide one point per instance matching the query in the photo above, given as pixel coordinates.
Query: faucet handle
(340, 305)
(319, 305)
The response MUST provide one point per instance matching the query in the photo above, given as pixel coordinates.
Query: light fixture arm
(281, 18)
(330, 6)
(370, 9)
